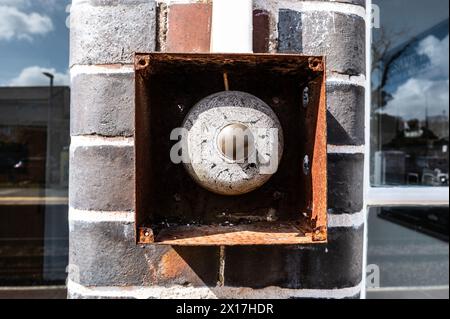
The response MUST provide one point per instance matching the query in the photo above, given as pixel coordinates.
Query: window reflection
(34, 142)
(410, 248)
(32, 127)
(410, 102)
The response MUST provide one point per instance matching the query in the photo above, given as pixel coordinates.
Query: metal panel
(171, 209)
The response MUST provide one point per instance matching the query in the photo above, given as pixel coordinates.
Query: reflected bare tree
(383, 61)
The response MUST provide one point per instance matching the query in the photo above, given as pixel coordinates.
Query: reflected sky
(418, 81)
(33, 38)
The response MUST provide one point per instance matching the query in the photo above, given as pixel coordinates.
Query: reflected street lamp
(48, 160)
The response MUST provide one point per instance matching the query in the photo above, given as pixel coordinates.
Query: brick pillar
(105, 262)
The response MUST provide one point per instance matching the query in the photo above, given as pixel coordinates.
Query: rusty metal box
(172, 209)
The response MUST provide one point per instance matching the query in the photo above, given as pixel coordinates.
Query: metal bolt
(306, 166)
(305, 97)
(276, 195)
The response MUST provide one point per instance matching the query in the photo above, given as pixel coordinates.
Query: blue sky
(33, 38)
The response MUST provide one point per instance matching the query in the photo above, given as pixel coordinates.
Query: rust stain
(316, 64)
(249, 235)
(146, 236)
(141, 61)
(319, 169)
(172, 265)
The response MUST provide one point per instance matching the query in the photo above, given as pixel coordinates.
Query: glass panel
(34, 141)
(409, 248)
(410, 98)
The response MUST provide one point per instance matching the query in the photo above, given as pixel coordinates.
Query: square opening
(173, 209)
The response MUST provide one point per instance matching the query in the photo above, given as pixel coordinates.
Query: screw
(306, 167)
(181, 108)
(276, 195)
(305, 97)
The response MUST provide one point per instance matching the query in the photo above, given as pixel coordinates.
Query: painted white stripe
(97, 216)
(182, 292)
(232, 26)
(308, 6)
(86, 141)
(101, 69)
(335, 78)
(346, 149)
(169, 2)
(347, 220)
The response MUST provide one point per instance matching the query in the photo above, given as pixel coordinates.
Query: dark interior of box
(167, 197)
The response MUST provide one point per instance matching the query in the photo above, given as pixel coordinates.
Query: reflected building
(34, 160)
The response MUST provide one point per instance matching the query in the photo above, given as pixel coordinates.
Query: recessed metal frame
(164, 82)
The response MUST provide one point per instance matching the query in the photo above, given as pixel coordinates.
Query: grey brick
(106, 254)
(341, 37)
(337, 264)
(108, 32)
(345, 114)
(103, 104)
(345, 183)
(102, 178)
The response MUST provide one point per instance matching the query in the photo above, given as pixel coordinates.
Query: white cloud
(15, 3)
(29, 3)
(32, 76)
(16, 24)
(412, 98)
(428, 91)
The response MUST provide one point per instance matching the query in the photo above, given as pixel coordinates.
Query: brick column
(105, 262)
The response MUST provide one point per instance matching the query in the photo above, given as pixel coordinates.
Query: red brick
(189, 28)
(261, 31)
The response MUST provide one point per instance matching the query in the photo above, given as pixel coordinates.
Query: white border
(389, 196)
(408, 196)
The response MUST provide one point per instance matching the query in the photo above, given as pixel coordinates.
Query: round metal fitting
(234, 142)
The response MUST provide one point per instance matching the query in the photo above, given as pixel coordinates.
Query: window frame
(388, 196)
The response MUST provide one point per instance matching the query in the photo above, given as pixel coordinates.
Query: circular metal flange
(234, 143)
